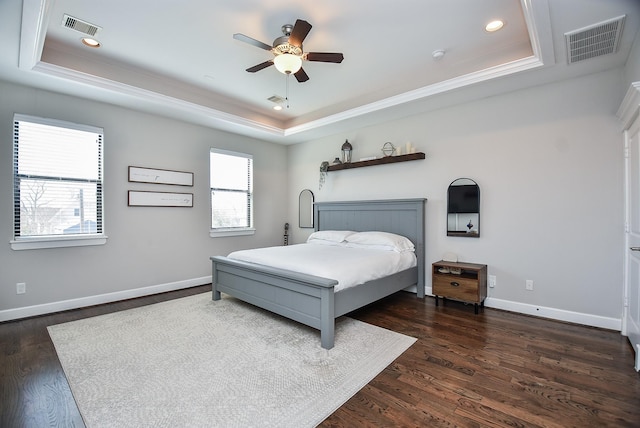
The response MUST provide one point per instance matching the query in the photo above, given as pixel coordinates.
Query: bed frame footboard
(304, 298)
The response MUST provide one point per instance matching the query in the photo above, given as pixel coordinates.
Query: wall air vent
(80, 25)
(590, 42)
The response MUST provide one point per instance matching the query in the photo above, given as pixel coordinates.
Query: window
(57, 184)
(231, 180)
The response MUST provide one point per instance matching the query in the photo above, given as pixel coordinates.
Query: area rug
(193, 362)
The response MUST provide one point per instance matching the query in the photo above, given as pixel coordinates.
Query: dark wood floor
(495, 369)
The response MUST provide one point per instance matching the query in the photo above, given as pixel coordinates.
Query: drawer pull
(455, 284)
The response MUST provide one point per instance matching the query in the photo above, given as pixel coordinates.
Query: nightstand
(466, 282)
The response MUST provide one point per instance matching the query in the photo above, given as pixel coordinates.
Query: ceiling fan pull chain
(287, 94)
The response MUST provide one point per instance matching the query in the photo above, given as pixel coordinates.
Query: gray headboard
(401, 216)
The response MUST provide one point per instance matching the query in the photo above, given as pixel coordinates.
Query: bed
(310, 299)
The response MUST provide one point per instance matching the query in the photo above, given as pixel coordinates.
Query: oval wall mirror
(463, 208)
(305, 209)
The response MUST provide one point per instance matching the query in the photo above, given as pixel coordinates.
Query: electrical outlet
(21, 288)
(529, 285)
(492, 281)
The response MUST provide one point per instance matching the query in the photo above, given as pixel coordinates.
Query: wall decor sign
(139, 198)
(160, 176)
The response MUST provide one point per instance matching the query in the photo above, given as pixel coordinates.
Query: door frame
(629, 115)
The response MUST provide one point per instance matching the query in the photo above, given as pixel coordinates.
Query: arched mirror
(305, 209)
(463, 208)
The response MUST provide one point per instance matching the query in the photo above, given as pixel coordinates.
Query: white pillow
(397, 242)
(370, 247)
(330, 235)
(323, 242)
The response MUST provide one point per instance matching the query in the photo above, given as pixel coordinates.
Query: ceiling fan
(288, 51)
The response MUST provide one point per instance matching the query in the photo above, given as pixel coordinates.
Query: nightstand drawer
(457, 288)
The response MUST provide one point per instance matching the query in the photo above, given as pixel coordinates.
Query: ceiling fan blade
(300, 30)
(260, 66)
(301, 76)
(325, 57)
(254, 42)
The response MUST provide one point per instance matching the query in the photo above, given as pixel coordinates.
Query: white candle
(408, 148)
(398, 150)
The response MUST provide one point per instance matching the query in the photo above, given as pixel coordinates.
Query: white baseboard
(552, 313)
(64, 305)
(523, 308)
(556, 314)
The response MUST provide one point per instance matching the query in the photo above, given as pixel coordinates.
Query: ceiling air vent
(79, 25)
(596, 40)
(276, 99)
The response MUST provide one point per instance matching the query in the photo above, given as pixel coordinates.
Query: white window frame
(232, 231)
(57, 241)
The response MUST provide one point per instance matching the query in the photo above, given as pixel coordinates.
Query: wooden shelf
(381, 161)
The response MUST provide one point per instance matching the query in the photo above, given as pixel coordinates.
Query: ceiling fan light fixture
(287, 63)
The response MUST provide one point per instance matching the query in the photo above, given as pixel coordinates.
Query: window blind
(58, 176)
(231, 182)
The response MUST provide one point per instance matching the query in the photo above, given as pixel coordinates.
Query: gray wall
(147, 247)
(632, 68)
(549, 162)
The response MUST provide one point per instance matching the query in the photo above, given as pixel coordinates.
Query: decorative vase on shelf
(388, 149)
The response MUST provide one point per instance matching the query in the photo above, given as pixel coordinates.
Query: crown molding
(630, 108)
(420, 93)
(35, 17)
(213, 116)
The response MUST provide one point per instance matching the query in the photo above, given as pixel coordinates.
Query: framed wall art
(139, 174)
(138, 198)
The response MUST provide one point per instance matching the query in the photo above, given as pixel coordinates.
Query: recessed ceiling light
(438, 54)
(494, 26)
(277, 107)
(92, 43)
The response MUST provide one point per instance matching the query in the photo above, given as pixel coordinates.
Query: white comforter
(349, 266)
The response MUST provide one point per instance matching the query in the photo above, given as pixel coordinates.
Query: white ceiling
(180, 58)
